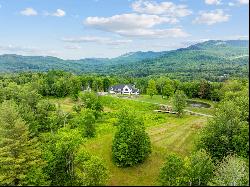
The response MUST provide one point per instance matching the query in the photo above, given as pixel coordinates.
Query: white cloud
(244, 2)
(213, 2)
(154, 33)
(94, 39)
(57, 13)
(127, 21)
(135, 25)
(29, 12)
(25, 50)
(165, 8)
(212, 17)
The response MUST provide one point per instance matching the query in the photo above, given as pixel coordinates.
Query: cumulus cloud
(94, 39)
(212, 17)
(164, 8)
(213, 2)
(135, 25)
(29, 12)
(57, 13)
(127, 21)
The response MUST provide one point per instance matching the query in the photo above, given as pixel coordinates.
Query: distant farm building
(126, 89)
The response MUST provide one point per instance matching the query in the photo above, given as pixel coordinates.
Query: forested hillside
(211, 60)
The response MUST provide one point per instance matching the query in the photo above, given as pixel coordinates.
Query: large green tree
(20, 156)
(226, 132)
(131, 144)
(151, 90)
(70, 165)
(92, 101)
(179, 102)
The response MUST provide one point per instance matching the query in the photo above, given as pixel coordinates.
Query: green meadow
(168, 134)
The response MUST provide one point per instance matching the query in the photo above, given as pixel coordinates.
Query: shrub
(232, 171)
(172, 173)
(131, 144)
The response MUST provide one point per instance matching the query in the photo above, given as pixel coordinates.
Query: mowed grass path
(168, 134)
(174, 136)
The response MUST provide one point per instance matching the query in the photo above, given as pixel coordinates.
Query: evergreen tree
(131, 144)
(20, 157)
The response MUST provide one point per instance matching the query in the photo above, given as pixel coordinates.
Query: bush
(199, 168)
(232, 171)
(131, 144)
(90, 170)
(225, 133)
(92, 101)
(88, 123)
(77, 108)
(172, 173)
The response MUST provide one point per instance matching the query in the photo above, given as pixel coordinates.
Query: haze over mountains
(215, 57)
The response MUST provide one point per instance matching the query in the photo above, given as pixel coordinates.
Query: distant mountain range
(213, 57)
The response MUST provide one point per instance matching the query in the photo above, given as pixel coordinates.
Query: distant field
(168, 134)
(157, 99)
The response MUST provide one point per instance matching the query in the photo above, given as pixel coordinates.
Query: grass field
(168, 134)
(157, 99)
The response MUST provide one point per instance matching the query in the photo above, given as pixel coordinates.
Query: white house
(126, 89)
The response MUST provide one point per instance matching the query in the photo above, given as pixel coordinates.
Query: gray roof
(121, 86)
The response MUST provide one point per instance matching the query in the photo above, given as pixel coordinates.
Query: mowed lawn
(168, 134)
(174, 136)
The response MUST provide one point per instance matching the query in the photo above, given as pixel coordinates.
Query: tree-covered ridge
(211, 60)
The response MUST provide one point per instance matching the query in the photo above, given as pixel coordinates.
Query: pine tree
(20, 162)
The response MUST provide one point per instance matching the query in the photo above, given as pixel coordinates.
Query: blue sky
(74, 29)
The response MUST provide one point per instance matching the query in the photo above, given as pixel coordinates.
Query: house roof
(121, 86)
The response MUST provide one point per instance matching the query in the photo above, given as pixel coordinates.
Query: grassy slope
(167, 133)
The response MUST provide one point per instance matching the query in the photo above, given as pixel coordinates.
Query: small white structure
(126, 89)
